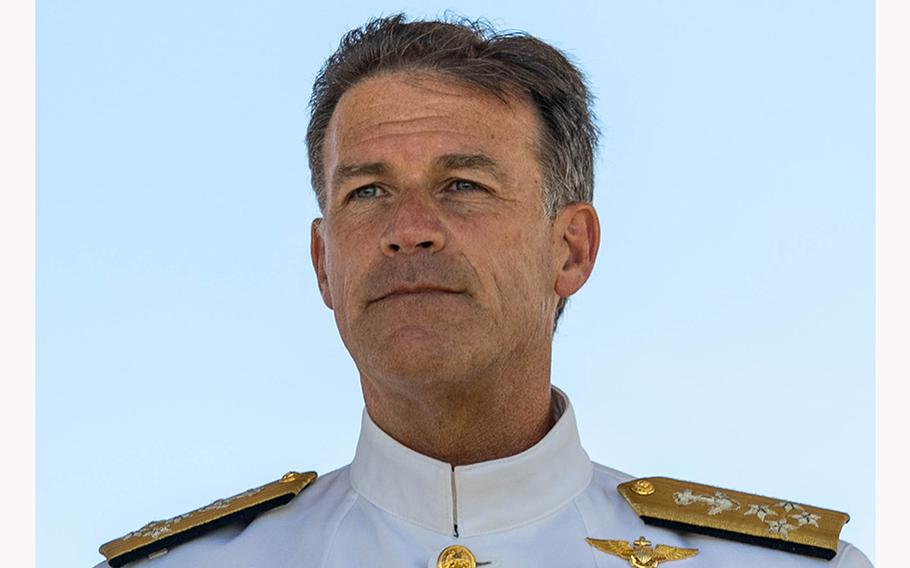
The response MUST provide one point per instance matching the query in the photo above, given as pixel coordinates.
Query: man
(454, 170)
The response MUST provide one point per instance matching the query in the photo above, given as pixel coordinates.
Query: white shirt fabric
(393, 507)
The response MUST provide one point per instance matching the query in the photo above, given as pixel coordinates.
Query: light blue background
(184, 354)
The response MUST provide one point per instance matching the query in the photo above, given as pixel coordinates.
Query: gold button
(643, 487)
(289, 477)
(456, 557)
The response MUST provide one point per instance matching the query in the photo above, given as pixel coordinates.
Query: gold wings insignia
(641, 553)
(673, 552)
(619, 548)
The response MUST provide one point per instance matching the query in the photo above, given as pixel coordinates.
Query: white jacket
(392, 507)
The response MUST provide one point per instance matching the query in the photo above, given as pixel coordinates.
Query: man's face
(435, 252)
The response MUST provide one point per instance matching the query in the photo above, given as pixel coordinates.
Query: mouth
(404, 292)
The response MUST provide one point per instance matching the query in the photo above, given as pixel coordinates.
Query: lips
(417, 290)
(418, 277)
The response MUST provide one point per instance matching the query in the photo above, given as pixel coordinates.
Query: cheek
(353, 248)
(520, 269)
(343, 273)
(340, 265)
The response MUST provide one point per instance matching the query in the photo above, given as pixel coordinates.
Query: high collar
(479, 498)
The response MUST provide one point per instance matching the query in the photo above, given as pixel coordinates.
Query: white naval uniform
(393, 507)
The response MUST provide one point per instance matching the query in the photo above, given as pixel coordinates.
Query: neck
(469, 420)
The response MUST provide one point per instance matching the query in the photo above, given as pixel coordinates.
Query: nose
(415, 227)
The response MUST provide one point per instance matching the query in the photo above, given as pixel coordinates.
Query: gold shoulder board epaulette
(157, 536)
(753, 519)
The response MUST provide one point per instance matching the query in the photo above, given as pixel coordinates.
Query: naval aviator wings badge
(641, 554)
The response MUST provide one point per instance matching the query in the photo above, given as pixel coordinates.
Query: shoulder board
(156, 537)
(753, 519)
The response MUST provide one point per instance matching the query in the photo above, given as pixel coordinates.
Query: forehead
(413, 118)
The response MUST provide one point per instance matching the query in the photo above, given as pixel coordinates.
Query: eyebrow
(344, 172)
(469, 162)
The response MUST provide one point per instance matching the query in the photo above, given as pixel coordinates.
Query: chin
(421, 353)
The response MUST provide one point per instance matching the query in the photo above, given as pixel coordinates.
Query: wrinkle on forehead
(387, 133)
(450, 106)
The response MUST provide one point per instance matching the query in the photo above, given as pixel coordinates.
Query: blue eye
(465, 185)
(365, 192)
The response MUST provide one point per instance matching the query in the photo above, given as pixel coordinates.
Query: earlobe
(580, 233)
(317, 254)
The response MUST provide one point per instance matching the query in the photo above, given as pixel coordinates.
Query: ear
(317, 253)
(578, 231)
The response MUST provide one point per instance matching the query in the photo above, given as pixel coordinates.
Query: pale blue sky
(184, 354)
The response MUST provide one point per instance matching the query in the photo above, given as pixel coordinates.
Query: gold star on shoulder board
(640, 553)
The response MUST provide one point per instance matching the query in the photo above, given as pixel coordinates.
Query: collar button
(456, 556)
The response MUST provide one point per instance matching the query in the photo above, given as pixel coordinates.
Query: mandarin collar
(479, 498)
